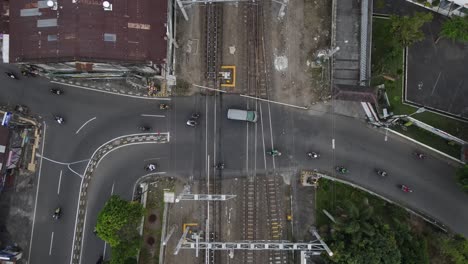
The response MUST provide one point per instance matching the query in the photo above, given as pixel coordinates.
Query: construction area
(274, 50)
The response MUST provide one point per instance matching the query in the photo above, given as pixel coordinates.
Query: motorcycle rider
(220, 166)
(56, 91)
(57, 213)
(274, 152)
(382, 173)
(59, 119)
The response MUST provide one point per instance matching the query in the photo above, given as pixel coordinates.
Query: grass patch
(387, 60)
(432, 140)
(154, 205)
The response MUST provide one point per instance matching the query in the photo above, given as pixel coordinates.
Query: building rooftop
(82, 30)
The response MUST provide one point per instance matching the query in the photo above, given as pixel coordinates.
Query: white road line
(51, 242)
(104, 251)
(333, 143)
(112, 190)
(435, 84)
(78, 131)
(263, 137)
(37, 192)
(271, 134)
(153, 115)
(114, 93)
(270, 101)
(386, 136)
(208, 88)
(51, 160)
(60, 181)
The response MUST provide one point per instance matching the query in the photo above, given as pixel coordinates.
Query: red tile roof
(136, 25)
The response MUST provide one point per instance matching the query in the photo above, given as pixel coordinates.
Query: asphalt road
(93, 118)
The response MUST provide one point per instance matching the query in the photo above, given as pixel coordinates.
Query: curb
(163, 96)
(99, 153)
(426, 146)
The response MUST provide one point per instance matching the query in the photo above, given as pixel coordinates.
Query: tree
(117, 224)
(379, 248)
(355, 220)
(462, 177)
(407, 29)
(456, 248)
(412, 246)
(455, 29)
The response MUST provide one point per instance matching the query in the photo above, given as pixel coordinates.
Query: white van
(242, 115)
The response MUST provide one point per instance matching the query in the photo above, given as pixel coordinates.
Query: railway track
(213, 26)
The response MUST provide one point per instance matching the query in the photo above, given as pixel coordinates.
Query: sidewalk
(132, 86)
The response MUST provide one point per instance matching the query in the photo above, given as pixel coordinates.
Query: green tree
(355, 220)
(456, 248)
(455, 29)
(379, 248)
(462, 177)
(413, 247)
(407, 29)
(117, 224)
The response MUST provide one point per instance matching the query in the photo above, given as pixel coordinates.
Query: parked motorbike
(313, 155)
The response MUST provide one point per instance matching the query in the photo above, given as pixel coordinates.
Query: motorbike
(150, 167)
(191, 123)
(28, 73)
(163, 106)
(59, 120)
(220, 166)
(406, 189)
(57, 213)
(313, 155)
(12, 75)
(419, 155)
(341, 170)
(56, 91)
(144, 128)
(274, 152)
(195, 115)
(381, 172)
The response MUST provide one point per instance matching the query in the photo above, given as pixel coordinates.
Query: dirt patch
(294, 41)
(189, 56)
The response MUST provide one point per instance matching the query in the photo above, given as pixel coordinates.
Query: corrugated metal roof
(138, 26)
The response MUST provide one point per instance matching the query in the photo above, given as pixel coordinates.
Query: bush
(462, 178)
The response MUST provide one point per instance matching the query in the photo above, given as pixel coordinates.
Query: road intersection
(93, 118)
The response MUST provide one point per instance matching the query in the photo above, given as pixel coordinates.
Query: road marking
(104, 251)
(112, 190)
(271, 134)
(386, 135)
(435, 84)
(60, 180)
(78, 131)
(37, 191)
(51, 242)
(153, 115)
(208, 88)
(275, 102)
(119, 94)
(263, 137)
(333, 143)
